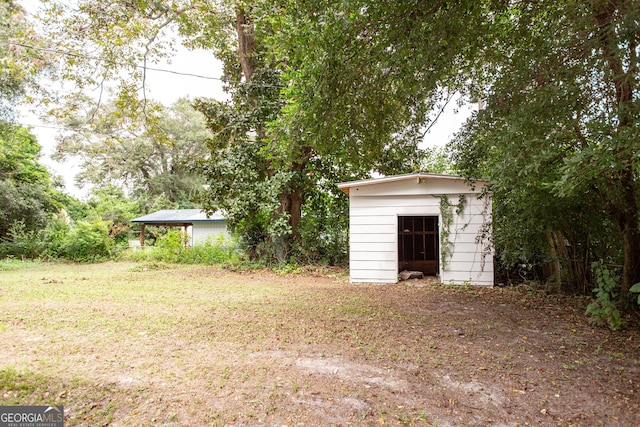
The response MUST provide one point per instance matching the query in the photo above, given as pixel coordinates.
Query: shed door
(418, 244)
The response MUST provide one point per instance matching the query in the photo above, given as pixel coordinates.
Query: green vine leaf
(446, 212)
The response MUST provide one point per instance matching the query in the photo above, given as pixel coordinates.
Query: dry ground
(130, 345)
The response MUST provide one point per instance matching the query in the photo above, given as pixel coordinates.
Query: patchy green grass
(162, 344)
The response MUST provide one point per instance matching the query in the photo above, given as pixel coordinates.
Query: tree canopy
(558, 83)
(27, 194)
(560, 125)
(154, 160)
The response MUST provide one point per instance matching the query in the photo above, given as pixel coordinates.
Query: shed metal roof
(345, 186)
(179, 216)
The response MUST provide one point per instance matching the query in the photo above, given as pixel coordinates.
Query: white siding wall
(201, 231)
(373, 231)
(470, 260)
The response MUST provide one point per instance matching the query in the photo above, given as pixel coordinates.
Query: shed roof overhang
(418, 176)
(176, 218)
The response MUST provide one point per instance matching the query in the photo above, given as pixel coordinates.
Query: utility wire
(31, 125)
(161, 70)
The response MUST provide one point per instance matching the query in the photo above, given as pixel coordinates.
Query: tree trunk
(291, 201)
(296, 214)
(291, 197)
(296, 194)
(630, 234)
(246, 44)
(624, 204)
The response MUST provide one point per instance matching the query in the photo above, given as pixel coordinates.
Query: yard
(130, 344)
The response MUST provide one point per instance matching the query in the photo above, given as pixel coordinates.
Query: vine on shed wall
(446, 212)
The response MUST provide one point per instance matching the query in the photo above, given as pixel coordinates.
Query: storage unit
(437, 224)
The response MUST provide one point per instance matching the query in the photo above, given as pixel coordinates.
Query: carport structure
(194, 222)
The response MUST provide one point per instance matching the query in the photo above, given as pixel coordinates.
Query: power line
(142, 67)
(31, 125)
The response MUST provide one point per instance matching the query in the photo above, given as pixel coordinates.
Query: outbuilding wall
(374, 212)
(201, 231)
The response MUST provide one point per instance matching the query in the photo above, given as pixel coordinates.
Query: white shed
(196, 223)
(437, 224)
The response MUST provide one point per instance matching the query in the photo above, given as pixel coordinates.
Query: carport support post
(142, 235)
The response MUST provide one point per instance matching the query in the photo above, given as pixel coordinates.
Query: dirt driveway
(132, 345)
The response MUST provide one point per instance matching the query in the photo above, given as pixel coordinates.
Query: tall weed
(172, 248)
(24, 243)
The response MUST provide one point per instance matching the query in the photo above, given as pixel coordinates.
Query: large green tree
(155, 160)
(560, 127)
(27, 195)
(282, 176)
(558, 84)
(264, 167)
(260, 174)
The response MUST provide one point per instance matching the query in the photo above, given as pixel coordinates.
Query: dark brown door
(418, 244)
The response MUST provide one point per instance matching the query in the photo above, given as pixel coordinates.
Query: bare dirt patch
(126, 346)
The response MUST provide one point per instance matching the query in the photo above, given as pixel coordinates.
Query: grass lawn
(129, 344)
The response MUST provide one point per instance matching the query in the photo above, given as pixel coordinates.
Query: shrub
(31, 244)
(87, 241)
(21, 242)
(172, 248)
(603, 309)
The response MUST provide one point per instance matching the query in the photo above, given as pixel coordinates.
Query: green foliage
(111, 204)
(604, 309)
(171, 245)
(216, 251)
(172, 248)
(19, 153)
(26, 193)
(153, 158)
(30, 204)
(19, 63)
(348, 89)
(33, 223)
(560, 102)
(437, 160)
(22, 242)
(446, 214)
(324, 228)
(88, 242)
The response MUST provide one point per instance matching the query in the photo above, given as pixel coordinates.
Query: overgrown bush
(87, 242)
(212, 252)
(172, 248)
(25, 243)
(21, 242)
